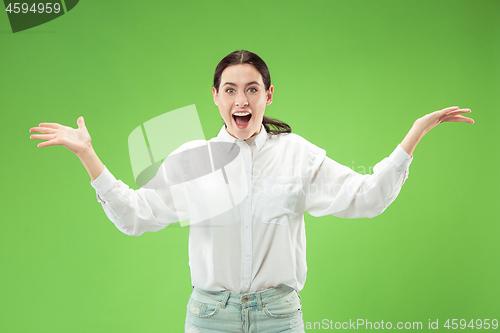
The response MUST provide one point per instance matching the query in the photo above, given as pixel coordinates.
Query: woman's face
(242, 100)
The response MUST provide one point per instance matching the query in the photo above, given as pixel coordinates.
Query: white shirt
(246, 204)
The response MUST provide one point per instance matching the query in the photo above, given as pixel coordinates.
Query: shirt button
(248, 255)
(246, 226)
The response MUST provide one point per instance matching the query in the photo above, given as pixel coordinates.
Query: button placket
(246, 250)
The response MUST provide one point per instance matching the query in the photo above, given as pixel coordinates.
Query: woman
(247, 259)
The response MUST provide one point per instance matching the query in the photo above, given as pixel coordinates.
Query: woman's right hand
(77, 140)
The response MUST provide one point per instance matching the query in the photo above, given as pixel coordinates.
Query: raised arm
(77, 140)
(339, 191)
(133, 212)
(428, 122)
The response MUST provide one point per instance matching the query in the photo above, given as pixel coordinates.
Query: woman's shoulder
(303, 150)
(293, 139)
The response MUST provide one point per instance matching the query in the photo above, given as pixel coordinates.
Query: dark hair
(247, 57)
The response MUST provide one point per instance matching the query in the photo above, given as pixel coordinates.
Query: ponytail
(278, 126)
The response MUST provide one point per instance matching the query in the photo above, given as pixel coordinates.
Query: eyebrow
(249, 83)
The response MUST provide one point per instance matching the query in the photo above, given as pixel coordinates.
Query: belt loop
(225, 299)
(259, 301)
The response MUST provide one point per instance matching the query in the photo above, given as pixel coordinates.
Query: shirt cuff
(104, 183)
(400, 158)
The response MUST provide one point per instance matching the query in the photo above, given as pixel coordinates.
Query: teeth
(241, 113)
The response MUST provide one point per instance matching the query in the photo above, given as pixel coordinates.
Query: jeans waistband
(257, 298)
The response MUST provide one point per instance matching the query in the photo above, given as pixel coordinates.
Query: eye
(252, 89)
(229, 90)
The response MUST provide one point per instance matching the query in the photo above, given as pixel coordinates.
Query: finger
(50, 125)
(42, 136)
(446, 110)
(81, 123)
(459, 111)
(47, 143)
(42, 130)
(458, 118)
(454, 113)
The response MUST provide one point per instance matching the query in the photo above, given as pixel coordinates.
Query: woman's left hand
(429, 121)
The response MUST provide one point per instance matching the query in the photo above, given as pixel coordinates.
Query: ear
(270, 95)
(216, 95)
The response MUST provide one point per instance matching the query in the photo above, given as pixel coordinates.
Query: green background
(349, 76)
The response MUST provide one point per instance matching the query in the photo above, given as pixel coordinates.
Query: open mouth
(242, 119)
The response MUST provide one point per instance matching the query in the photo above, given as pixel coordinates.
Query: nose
(241, 99)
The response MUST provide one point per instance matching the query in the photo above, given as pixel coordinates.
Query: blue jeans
(273, 310)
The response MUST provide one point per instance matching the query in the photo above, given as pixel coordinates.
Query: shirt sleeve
(132, 211)
(339, 191)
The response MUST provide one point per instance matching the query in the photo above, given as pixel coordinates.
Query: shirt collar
(224, 136)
